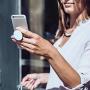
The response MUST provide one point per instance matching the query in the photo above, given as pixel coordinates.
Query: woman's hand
(32, 81)
(34, 43)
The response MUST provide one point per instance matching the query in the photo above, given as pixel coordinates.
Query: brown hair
(64, 18)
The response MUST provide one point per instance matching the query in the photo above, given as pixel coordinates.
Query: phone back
(19, 21)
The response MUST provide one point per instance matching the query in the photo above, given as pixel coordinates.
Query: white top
(76, 52)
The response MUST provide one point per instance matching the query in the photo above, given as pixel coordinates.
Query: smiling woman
(69, 57)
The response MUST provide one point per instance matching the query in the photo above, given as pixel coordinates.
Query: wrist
(43, 77)
(53, 53)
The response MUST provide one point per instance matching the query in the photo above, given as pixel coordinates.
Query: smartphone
(19, 21)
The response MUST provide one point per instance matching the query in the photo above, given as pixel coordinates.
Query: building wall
(8, 50)
(9, 53)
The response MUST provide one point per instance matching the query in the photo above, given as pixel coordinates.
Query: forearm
(63, 69)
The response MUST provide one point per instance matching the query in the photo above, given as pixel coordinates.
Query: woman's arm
(37, 45)
(63, 69)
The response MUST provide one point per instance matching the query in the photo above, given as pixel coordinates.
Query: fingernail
(12, 36)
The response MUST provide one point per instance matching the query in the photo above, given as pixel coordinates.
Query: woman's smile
(68, 4)
(73, 6)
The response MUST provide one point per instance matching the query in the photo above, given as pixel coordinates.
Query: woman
(70, 55)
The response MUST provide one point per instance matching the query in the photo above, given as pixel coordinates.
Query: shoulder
(85, 25)
(84, 29)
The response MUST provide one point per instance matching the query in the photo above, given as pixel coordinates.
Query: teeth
(68, 3)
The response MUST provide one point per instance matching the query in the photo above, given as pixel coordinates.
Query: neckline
(67, 34)
(67, 42)
(61, 38)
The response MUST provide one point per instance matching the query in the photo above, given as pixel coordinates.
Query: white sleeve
(84, 66)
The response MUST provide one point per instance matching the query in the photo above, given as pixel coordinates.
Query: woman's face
(73, 6)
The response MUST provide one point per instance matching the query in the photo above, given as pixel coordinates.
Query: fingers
(29, 77)
(25, 40)
(29, 44)
(37, 83)
(29, 84)
(30, 81)
(27, 49)
(26, 78)
(32, 84)
(27, 33)
(29, 40)
(31, 49)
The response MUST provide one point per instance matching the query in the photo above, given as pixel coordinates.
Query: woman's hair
(64, 18)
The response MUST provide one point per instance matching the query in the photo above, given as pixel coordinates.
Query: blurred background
(42, 18)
